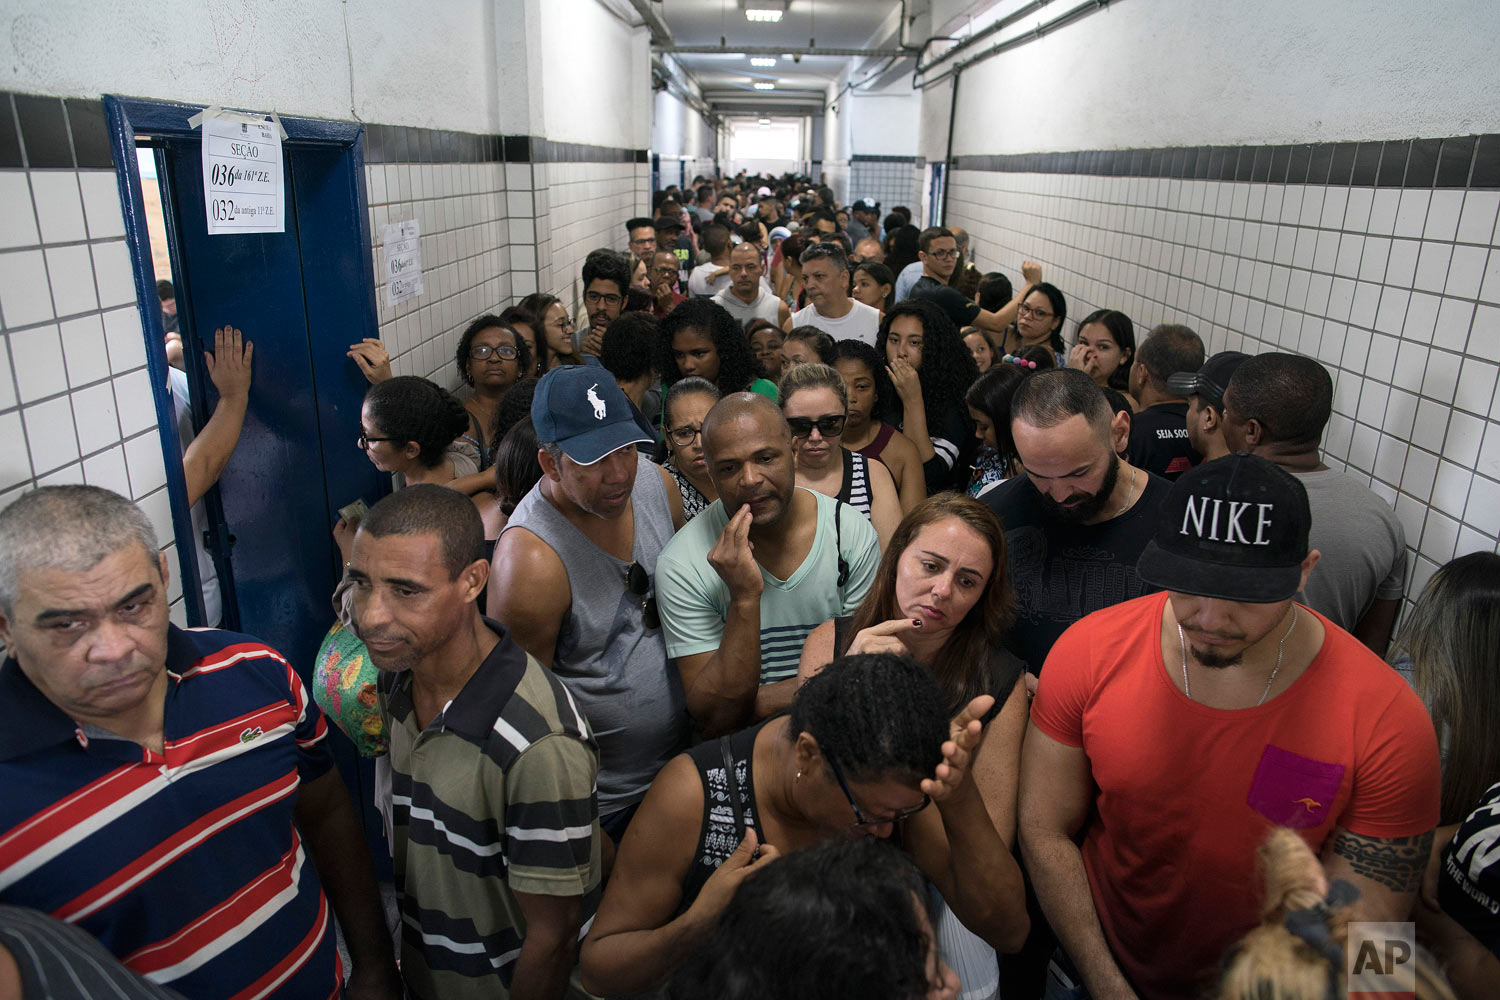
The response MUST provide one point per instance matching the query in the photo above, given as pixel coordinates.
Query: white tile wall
(462, 211)
(72, 358)
(580, 207)
(1408, 327)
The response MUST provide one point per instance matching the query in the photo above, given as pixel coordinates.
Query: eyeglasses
(684, 435)
(364, 441)
(609, 299)
(1024, 310)
(565, 323)
(482, 352)
(827, 426)
(664, 271)
(861, 822)
(639, 583)
(942, 254)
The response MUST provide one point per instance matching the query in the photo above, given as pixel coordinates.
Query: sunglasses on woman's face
(827, 426)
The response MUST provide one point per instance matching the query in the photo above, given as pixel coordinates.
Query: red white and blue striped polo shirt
(185, 864)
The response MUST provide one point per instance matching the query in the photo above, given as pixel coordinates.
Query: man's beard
(1080, 510)
(1216, 661)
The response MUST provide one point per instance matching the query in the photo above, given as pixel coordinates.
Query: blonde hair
(812, 375)
(1274, 963)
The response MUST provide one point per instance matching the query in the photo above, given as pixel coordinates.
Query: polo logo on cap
(1225, 525)
(596, 402)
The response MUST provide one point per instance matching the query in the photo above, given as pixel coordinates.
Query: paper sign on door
(244, 189)
(403, 261)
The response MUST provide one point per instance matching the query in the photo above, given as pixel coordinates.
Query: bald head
(869, 249)
(749, 407)
(748, 447)
(960, 236)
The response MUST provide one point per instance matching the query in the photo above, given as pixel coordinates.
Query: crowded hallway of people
(750, 499)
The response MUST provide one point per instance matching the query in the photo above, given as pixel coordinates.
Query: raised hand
(908, 385)
(1031, 272)
(733, 557)
(885, 637)
(964, 734)
(229, 364)
(373, 359)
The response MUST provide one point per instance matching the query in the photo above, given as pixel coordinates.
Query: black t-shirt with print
(1062, 571)
(1159, 441)
(1469, 881)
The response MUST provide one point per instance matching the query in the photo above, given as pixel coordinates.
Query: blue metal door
(296, 463)
(302, 296)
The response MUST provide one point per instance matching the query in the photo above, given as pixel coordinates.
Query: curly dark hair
(738, 367)
(948, 369)
(409, 409)
(837, 920)
(514, 406)
(489, 321)
(629, 346)
(885, 391)
(878, 716)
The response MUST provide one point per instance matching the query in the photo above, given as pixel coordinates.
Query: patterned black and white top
(693, 501)
(720, 833)
(856, 488)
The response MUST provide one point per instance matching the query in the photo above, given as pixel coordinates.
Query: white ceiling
(839, 24)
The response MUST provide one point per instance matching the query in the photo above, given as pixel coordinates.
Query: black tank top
(727, 812)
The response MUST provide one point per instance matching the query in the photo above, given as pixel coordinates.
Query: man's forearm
(1062, 887)
(205, 458)
(542, 969)
(989, 895)
(333, 837)
(722, 696)
(773, 698)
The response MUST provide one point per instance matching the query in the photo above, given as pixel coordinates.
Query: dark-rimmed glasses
(638, 581)
(684, 435)
(861, 822)
(607, 298)
(1025, 310)
(364, 441)
(827, 426)
(482, 352)
(942, 254)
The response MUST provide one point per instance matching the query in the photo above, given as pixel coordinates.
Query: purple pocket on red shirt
(1291, 790)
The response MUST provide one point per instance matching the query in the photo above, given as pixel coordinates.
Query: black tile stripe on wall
(1454, 162)
(49, 132)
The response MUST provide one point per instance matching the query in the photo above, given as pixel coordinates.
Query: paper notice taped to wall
(244, 188)
(403, 261)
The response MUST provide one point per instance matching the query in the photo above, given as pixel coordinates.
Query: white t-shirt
(698, 283)
(860, 323)
(765, 306)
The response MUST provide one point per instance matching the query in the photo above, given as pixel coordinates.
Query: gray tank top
(615, 667)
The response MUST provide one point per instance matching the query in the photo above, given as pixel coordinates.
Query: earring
(799, 776)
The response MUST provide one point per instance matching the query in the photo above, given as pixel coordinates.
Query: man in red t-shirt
(1181, 727)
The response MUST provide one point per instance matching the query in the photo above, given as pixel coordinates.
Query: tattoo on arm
(1396, 863)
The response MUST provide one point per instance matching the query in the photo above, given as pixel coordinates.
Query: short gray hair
(70, 528)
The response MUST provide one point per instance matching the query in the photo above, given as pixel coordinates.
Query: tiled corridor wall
(580, 206)
(1375, 258)
(889, 180)
(75, 396)
(462, 213)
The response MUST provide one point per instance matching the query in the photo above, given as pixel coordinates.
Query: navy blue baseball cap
(582, 410)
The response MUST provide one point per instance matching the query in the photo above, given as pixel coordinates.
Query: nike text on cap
(1234, 529)
(1210, 381)
(581, 408)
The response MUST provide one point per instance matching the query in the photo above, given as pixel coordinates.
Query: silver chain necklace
(1129, 496)
(1187, 688)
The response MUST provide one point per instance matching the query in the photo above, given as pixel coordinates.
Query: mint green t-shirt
(694, 600)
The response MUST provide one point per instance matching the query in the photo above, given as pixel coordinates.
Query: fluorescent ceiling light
(763, 61)
(765, 121)
(765, 86)
(764, 10)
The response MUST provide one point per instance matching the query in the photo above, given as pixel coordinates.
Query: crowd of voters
(817, 616)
